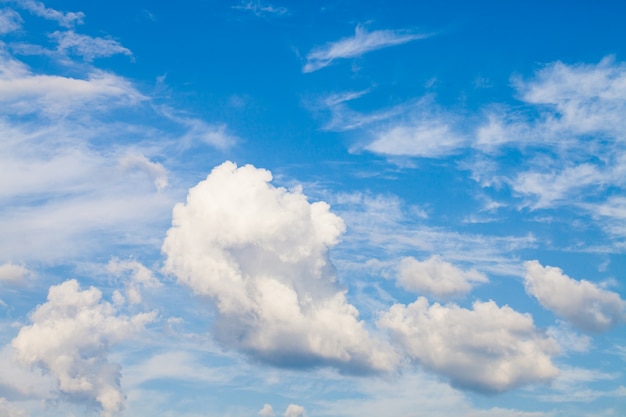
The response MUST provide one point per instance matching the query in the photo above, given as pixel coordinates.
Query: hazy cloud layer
(487, 348)
(70, 337)
(261, 253)
(582, 303)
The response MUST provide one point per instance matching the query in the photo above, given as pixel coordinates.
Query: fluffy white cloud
(294, 410)
(154, 170)
(10, 272)
(487, 348)
(70, 337)
(267, 411)
(357, 45)
(582, 303)
(436, 277)
(261, 253)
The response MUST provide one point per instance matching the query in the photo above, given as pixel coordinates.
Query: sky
(312, 209)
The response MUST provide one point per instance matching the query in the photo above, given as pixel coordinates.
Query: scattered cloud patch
(427, 138)
(65, 19)
(70, 337)
(361, 43)
(12, 273)
(260, 9)
(10, 21)
(267, 411)
(486, 349)
(140, 278)
(154, 170)
(582, 303)
(86, 46)
(261, 254)
(294, 410)
(437, 278)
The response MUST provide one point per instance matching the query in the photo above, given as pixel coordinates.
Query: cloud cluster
(71, 336)
(582, 303)
(487, 348)
(261, 254)
(357, 45)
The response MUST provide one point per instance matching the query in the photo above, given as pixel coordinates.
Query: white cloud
(488, 348)
(425, 138)
(154, 170)
(199, 131)
(70, 337)
(553, 188)
(23, 92)
(10, 21)
(437, 278)
(267, 411)
(294, 410)
(86, 46)
(582, 303)
(261, 253)
(10, 272)
(140, 277)
(65, 19)
(588, 98)
(361, 43)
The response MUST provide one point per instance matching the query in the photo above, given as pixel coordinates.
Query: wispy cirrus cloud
(86, 46)
(261, 9)
(65, 19)
(361, 43)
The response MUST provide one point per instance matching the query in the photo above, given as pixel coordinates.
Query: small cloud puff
(582, 303)
(437, 278)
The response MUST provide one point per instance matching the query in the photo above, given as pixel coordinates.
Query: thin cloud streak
(361, 43)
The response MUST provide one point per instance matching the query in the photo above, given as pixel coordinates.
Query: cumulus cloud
(437, 278)
(267, 411)
(86, 46)
(261, 254)
(294, 410)
(70, 337)
(10, 272)
(357, 45)
(487, 348)
(10, 21)
(582, 303)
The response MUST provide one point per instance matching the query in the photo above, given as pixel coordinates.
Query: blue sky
(250, 208)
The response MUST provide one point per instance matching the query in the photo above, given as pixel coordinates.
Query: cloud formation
(70, 337)
(487, 348)
(361, 43)
(437, 278)
(261, 254)
(582, 303)
(65, 19)
(10, 21)
(86, 46)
